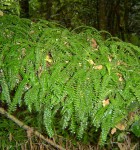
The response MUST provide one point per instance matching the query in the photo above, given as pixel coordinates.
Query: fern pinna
(50, 69)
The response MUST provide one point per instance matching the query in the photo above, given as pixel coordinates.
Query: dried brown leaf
(105, 102)
(94, 43)
(113, 131)
(91, 62)
(120, 77)
(98, 67)
(120, 126)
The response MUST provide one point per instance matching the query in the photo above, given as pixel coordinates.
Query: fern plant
(48, 68)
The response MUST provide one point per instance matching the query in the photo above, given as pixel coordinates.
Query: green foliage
(62, 74)
(10, 6)
(136, 128)
(12, 137)
(133, 38)
(8, 135)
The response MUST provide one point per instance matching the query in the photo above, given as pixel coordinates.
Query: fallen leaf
(109, 58)
(121, 63)
(113, 131)
(131, 116)
(91, 62)
(105, 102)
(120, 77)
(98, 67)
(120, 126)
(94, 43)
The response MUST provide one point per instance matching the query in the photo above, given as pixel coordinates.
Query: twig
(28, 128)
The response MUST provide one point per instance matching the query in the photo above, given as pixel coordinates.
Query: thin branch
(28, 128)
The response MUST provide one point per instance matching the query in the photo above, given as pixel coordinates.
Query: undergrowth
(78, 79)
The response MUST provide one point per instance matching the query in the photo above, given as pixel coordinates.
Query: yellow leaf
(1, 13)
(109, 58)
(48, 59)
(120, 126)
(120, 79)
(106, 102)
(99, 67)
(80, 64)
(91, 62)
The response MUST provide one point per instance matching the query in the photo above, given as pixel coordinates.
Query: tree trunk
(48, 9)
(126, 17)
(110, 16)
(102, 15)
(24, 5)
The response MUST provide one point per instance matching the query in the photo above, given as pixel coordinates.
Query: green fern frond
(106, 125)
(48, 121)
(5, 88)
(52, 70)
(17, 100)
(31, 98)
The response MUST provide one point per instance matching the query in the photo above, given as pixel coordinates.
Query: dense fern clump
(75, 76)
